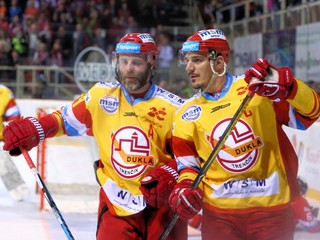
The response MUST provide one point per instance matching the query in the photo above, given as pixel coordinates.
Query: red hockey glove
(268, 81)
(186, 201)
(28, 133)
(158, 184)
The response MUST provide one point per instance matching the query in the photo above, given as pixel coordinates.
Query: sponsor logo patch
(192, 113)
(109, 104)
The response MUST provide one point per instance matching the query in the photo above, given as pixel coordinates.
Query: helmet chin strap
(215, 75)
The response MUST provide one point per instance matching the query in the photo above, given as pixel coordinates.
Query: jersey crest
(241, 149)
(130, 153)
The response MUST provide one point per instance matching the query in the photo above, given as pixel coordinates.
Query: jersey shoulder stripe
(168, 96)
(107, 85)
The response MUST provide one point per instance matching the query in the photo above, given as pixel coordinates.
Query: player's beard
(140, 81)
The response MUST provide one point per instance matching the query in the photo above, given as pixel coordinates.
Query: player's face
(134, 72)
(198, 69)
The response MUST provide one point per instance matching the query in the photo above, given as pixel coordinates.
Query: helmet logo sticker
(211, 34)
(190, 46)
(145, 37)
(128, 48)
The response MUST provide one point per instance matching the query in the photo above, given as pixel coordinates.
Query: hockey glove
(27, 133)
(186, 201)
(268, 81)
(158, 184)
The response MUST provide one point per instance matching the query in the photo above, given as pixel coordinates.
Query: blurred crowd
(54, 32)
(42, 32)
(211, 15)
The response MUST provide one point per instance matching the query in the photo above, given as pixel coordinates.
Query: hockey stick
(46, 193)
(211, 157)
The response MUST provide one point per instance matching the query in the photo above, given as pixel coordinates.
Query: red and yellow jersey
(257, 166)
(133, 136)
(8, 107)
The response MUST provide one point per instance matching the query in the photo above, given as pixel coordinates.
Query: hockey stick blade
(212, 156)
(47, 194)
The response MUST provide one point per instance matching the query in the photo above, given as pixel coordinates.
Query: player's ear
(219, 64)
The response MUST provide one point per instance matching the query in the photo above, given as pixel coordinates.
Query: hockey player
(131, 121)
(9, 172)
(248, 190)
(9, 109)
(304, 214)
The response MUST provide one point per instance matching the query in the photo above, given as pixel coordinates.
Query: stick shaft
(211, 157)
(47, 194)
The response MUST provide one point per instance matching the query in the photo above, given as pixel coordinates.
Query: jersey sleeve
(301, 109)
(73, 120)
(305, 100)
(76, 118)
(11, 111)
(184, 149)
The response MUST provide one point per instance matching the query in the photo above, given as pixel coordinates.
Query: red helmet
(137, 43)
(206, 41)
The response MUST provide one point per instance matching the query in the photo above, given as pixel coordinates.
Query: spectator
(19, 42)
(15, 10)
(56, 56)
(94, 21)
(116, 30)
(33, 39)
(66, 42)
(14, 60)
(146, 18)
(4, 23)
(98, 38)
(5, 43)
(62, 14)
(32, 10)
(166, 55)
(81, 39)
(132, 25)
(3, 8)
(41, 55)
(106, 19)
(14, 24)
(44, 28)
(124, 11)
(4, 54)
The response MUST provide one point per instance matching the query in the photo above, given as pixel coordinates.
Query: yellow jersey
(133, 135)
(257, 166)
